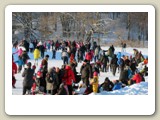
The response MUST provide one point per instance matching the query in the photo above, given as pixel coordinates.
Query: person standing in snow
(31, 47)
(44, 64)
(28, 78)
(36, 55)
(19, 51)
(68, 78)
(20, 63)
(86, 72)
(42, 49)
(94, 82)
(114, 64)
(14, 71)
(65, 56)
(25, 57)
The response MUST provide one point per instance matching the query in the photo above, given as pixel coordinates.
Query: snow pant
(19, 68)
(31, 50)
(36, 62)
(86, 81)
(104, 68)
(70, 89)
(13, 81)
(42, 54)
(43, 83)
(95, 58)
(65, 60)
(53, 54)
(25, 88)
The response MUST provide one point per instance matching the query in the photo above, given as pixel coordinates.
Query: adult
(104, 60)
(65, 56)
(14, 71)
(52, 81)
(86, 72)
(28, 78)
(44, 65)
(114, 64)
(42, 50)
(31, 47)
(69, 78)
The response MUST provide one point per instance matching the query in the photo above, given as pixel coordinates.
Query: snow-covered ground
(136, 89)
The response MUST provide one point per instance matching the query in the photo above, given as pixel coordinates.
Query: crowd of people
(65, 80)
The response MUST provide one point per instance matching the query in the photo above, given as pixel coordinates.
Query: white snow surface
(136, 89)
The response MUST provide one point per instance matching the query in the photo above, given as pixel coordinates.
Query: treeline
(81, 25)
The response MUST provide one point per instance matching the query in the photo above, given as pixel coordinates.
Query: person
(96, 53)
(86, 72)
(52, 81)
(107, 85)
(25, 57)
(14, 71)
(44, 64)
(68, 78)
(19, 51)
(20, 63)
(65, 57)
(94, 82)
(104, 61)
(31, 47)
(28, 78)
(36, 55)
(114, 64)
(53, 52)
(117, 85)
(42, 49)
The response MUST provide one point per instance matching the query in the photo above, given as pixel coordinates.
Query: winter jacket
(52, 80)
(117, 86)
(96, 52)
(107, 85)
(137, 78)
(25, 57)
(31, 45)
(36, 53)
(114, 61)
(19, 62)
(28, 77)
(64, 54)
(86, 71)
(41, 48)
(44, 64)
(89, 56)
(124, 76)
(94, 83)
(68, 77)
(14, 68)
(104, 60)
(20, 51)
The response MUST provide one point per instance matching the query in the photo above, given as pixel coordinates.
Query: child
(94, 82)
(36, 55)
(20, 63)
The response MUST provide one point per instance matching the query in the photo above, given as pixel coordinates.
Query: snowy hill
(136, 89)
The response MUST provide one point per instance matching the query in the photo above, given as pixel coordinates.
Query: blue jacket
(19, 62)
(117, 86)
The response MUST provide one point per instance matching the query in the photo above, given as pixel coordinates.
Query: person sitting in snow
(118, 85)
(107, 85)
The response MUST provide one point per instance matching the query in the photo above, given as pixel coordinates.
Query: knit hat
(95, 74)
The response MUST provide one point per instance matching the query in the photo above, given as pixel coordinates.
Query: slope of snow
(136, 89)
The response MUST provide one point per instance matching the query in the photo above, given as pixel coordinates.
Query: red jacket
(89, 56)
(137, 78)
(14, 68)
(68, 76)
